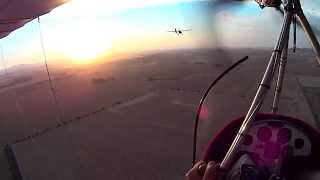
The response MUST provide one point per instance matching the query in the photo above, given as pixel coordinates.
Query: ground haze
(133, 118)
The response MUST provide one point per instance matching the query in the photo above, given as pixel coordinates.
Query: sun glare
(85, 29)
(80, 43)
(85, 44)
(80, 36)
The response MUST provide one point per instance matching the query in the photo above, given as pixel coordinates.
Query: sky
(83, 31)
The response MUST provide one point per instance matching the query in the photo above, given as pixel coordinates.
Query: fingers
(193, 174)
(211, 171)
(203, 171)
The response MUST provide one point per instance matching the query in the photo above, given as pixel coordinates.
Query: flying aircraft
(180, 31)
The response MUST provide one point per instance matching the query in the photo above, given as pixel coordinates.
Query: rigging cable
(7, 148)
(294, 33)
(54, 95)
(61, 122)
(17, 102)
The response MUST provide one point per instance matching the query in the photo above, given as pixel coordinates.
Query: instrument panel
(270, 141)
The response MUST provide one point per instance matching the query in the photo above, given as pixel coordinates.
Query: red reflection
(204, 114)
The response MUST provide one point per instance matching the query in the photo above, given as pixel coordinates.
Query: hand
(203, 171)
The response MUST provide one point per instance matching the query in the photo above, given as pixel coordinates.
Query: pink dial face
(268, 143)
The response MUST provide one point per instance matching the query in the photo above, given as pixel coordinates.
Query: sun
(80, 35)
(80, 42)
(82, 30)
(84, 44)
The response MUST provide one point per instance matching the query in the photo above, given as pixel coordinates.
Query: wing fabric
(16, 13)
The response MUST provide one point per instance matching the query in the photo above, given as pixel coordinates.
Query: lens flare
(204, 113)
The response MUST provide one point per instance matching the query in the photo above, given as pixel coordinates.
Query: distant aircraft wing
(171, 31)
(15, 13)
(186, 30)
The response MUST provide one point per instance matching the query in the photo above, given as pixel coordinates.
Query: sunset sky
(83, 30)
